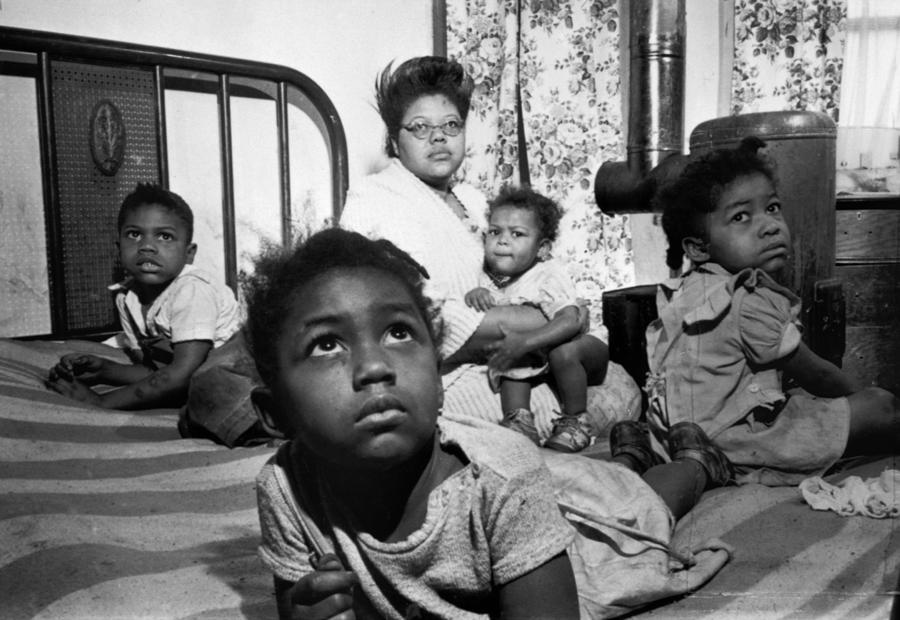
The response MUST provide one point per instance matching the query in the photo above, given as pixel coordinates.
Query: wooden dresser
(867, 261)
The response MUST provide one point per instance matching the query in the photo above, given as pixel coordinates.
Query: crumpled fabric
(874, 497)
(622, 554)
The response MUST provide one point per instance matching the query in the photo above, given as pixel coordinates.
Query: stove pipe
(655, 109)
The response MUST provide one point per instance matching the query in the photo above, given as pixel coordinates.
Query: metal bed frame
(182, 67)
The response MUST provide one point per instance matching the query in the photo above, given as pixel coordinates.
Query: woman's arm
(491, 329)
(816, 375)
(548, 591)
(515, 345)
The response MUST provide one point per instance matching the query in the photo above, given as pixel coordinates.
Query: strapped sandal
(522, 421)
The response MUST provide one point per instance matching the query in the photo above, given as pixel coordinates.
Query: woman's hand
(480, 298)
(84, 367)
(327, 592)
(508, 350)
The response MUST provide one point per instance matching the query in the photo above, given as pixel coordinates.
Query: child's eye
(739, 217)
(775, 207)
(399, 333)
(324, 345)
(132, 234)
(492, 232)
(166, 237)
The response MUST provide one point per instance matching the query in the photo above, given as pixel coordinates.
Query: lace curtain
(788, 55)
(871, 89)
(561, 59)
(869, 132)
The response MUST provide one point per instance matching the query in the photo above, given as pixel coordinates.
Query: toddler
(379, 506)
(727, 333)
(518, 269)
(172, 314)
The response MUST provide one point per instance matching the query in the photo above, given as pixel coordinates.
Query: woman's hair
(281, 273)
(545, 210)
(396, 90)
(686, 201)
(152, 194)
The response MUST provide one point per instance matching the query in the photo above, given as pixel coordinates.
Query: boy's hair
(686, 201)
(153, 194)
(424, 75)
(545, 210)
(280, 273)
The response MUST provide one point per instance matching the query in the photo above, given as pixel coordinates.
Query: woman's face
(436, 157)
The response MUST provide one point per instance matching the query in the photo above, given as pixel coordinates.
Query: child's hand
(325, 593)
(74, 389)
(82, 366)
(511, 348)
(480, 299)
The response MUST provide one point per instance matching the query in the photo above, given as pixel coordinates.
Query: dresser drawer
(865, 236)
(871, 293)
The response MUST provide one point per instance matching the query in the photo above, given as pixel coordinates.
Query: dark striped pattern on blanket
(108, 514)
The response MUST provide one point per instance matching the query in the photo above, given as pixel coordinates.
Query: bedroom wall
(341, 44)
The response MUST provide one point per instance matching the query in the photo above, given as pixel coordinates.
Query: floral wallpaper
(788, 55)
(563, 55)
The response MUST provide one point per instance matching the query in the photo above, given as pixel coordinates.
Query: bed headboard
(256, 149)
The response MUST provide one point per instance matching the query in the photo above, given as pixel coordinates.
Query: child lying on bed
(382, 506)
(172, 313)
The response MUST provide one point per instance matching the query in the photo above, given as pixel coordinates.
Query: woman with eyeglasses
(415, 203)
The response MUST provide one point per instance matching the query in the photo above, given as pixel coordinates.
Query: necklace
(452, 201)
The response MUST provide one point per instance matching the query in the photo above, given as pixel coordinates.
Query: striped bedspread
(112, 515)
(109, 514)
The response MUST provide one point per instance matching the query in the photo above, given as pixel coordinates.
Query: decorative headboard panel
(101, 115)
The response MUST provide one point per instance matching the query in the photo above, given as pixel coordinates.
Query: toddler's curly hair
(687, 200)
(548, 213)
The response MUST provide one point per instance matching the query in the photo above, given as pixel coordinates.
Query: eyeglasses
(422, 130)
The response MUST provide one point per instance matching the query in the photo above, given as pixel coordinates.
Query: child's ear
(264, 404)
(696, 249)
(191, 253)
(544, 250)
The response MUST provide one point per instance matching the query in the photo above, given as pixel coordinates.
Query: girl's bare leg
(575, 365)
(679, 483)
(514, 395)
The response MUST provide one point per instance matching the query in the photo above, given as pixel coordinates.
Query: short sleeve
(194, 311)
(767, 325)
(557, 291)
(283, 549)
(525, 528)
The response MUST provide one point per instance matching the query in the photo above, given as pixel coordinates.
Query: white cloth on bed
(870, 497)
